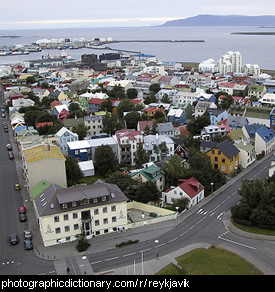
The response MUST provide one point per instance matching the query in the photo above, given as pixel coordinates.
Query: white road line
(172, 240)
(96, 262)
(145, 250)
(129, 254)
(110, 259)
(183, 233)
(238, 243)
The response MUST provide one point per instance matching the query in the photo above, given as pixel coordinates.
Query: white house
(191, 189)
(264, 140)
(247, 154)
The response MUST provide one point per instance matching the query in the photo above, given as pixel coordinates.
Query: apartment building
(63, 213)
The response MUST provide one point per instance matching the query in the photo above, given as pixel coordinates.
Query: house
(81, 150)
(159, 147)
(124, 84)
(40, 92)
(268, 99)
(151, 111)
(58, 109)
(94, 104)
(180, 148)
(217, 115)
(150, 173)
(69, 123)
(62, 116)
(176, 116)
(264, 140)
(224, 157)
(144, 81)
(166, 129)
(141, 126)
(22, 102)
(128, 141)
(93, 209)
(191, 189)
(202, 106)
(87, 168)
(168, 80)
(94, 124)
(95, 143)
(38, 160)
(236, 122)
(256, 90)
(66, 136)
(247, 154)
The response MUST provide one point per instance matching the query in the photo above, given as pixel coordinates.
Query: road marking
(110, 259)
(183, 233)
(94, 263)
(238, 243)
(129, 254)
(199, 211)
(172, 240)
(144, 250)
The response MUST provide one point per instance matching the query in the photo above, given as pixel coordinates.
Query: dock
(156, 41)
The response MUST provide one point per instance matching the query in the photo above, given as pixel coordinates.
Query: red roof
(96, 100)
(143, 124)
(38, 125)
(190, 186)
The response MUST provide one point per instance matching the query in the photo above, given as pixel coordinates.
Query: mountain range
(223, 20)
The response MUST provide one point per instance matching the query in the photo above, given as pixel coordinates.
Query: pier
(156, 41)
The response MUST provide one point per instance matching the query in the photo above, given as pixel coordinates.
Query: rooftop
(41, 152)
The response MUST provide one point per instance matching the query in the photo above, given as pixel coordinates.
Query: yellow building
(224, 156)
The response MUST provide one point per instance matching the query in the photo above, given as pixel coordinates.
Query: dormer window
(103, 198)
(64, 206)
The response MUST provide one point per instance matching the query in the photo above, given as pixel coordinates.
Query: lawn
(212, 261)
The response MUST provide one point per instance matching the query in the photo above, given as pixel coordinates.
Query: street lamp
(156, 242)
(212, 184)
(84, 260)
(177, 209)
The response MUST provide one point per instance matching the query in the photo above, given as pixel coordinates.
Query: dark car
(13, 239)
(6, 129)
(10, 154)
(22, 217)
(28, 244)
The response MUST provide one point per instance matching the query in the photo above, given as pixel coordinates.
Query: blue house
(217, 115)
(66, 136)
(81, 150)
(176, 116)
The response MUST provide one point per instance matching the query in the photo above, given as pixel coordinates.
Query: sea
(255, 49)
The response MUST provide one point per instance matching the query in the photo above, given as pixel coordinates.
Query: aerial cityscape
(118, 162)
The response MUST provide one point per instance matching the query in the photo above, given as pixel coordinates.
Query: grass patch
(212, 261)
(253, 229)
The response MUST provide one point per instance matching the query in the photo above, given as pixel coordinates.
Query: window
(67, 228)
(73, 204)
(96, 222)
(76, 226)
(65, 217)
(57, 230)
(75, 215)
(95, 200)
(113, 208)
(216, 158)
(64, 206)
(105, 221)
(104, 209)
(103, 199)
(223, 160)
(56, 219)
(96, 212)
(114, 219)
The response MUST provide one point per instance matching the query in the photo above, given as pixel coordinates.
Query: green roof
(39, 188)
(152, 173)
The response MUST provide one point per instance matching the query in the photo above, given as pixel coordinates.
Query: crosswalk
(210, 213)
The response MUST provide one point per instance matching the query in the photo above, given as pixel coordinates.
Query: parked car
(17, 187)
(10, 154)
(28, 244)
(22, 210)
(6, 129)
(22, 217)
(13, 239)
(27, 234)
(9, 147)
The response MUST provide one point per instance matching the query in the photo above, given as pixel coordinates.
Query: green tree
(147, 192)
(141, 156)
(105, 160)
(165, 98)
(125, 106)
(80, 130)
(132, 119)
(107, 105)
(173, 170)
(132, 93)
(197, 124)
(73, 172)
(111, 124)
(182, 204)
(155, 87)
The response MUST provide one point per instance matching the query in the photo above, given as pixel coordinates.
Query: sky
(31, 14)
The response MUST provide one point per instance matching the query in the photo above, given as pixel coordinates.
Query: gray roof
(165, 127)
(49, 202)
(228, 148)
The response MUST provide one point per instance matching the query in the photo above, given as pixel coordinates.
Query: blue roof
(252, 128)
(265, 133)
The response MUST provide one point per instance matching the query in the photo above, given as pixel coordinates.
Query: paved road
(203, 226)
(14, 260)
